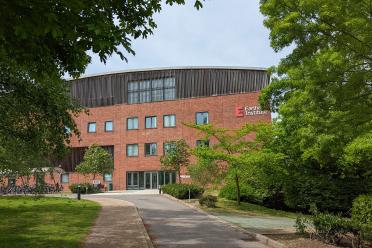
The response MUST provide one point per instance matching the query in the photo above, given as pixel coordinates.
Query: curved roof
(193, 81)
(173, 68)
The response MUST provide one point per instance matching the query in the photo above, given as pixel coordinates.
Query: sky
(222, 33)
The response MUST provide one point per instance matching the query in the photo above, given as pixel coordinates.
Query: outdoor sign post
(78, 192)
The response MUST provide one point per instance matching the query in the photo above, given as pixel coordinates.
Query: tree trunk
(237, 188)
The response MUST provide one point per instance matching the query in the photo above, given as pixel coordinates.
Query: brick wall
(221, 113)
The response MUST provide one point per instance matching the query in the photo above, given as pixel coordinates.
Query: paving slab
(117, 226)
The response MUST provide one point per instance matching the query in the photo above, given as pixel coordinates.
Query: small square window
(65, 178)
(151, 149)
(132, 123)
(132, 150)
(167, 147)
(169, 120)
(150, 122)
(202, 118)
(109, 126)
(107, 177)
(202, 143)
(92, 126)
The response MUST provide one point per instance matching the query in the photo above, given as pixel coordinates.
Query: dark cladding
(143, 86)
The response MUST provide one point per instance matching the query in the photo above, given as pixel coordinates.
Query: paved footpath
(172, 224)
(117, 226)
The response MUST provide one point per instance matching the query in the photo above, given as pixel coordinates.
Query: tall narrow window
(169, 120)
(109, 127)
(151, 149)
(150, 122)
(92, 127)
(132, 123)
(202, 118)
(132, 150)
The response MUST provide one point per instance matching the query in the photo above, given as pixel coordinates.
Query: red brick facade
(221, 111)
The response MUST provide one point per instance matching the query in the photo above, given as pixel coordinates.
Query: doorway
(151, 180)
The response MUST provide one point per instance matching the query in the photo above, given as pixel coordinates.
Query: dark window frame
(68, 178)
(134, 144)
(164, 143)
(175, 121)
(133, 117)
(153, 88)
(156, 122)
(203, 142)
(196, 117)
(109, 131)
(151, 155)
(95, 129)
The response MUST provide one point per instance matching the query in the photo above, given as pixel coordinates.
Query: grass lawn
(246, 208)
(45, 222)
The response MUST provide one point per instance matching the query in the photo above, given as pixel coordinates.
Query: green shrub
(247, 193)
(361, 214)
(208, 200)
(332, 228)
(181, 191)
(85, 188)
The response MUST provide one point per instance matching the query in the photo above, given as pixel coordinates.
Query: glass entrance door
(132, 180)
(151, 180)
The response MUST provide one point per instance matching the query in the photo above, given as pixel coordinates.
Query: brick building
(134, 113)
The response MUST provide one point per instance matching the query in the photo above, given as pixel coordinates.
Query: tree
(322, 91)
(41, 41)
(233, 150)
(205, 172)
(176, 157)
(96, 161)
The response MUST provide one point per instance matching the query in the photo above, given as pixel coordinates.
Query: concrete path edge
(147, 237)
(261, 238)
(141, 224)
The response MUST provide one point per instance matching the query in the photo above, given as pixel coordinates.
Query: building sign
(185, 176)
(249, 111)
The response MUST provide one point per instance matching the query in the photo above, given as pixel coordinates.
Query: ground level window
(64, 178)
(107, 177)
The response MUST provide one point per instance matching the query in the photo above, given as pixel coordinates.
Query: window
(92, 127)
(202, 143)
(107, 177)
(150, 122)
(132, 123)
(151, 149)
(202, 118)
(132, 150)
(169, 120)
(167, 146)
(64, 178)
(109, 127)
(153, 90)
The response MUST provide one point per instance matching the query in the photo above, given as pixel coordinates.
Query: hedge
(361, 213)
(181, 191)
(85, 188)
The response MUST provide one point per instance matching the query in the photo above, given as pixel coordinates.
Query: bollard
(78, 193)
(189, 195)
(159, 190)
